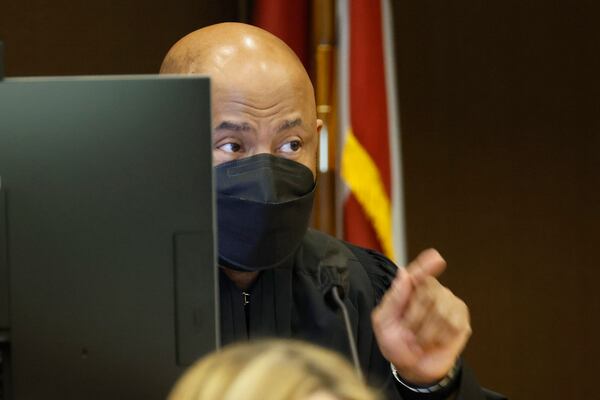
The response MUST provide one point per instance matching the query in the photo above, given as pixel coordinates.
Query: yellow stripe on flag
(362, 177)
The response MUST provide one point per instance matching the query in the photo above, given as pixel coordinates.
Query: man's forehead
(243, 126)
(261, 99)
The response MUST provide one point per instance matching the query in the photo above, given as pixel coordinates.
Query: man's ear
(319, 125)
(318, 136)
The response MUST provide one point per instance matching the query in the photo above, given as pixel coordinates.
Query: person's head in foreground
(271, 370)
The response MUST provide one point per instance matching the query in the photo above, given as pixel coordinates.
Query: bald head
(262, 97)
(228, 45)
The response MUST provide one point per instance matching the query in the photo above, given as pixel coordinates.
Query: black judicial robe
(292, 301)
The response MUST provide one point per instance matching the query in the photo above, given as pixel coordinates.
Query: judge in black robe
(265, 140)
(293, 301)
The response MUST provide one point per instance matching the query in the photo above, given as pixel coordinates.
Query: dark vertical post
(4, 286)
(1, 61)
(4, 297)
(4, 274)
(245, 9)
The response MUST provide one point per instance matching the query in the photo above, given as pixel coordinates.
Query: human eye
(291, 146)
(230, 147)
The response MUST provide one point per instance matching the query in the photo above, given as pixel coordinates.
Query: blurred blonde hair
(271, 370)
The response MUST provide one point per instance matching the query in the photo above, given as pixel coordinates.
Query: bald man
(276, 275)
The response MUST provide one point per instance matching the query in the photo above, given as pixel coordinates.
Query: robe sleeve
(381, 271)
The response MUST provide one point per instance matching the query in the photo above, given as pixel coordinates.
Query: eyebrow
(233, 126)
(289, 124)
(244, 127)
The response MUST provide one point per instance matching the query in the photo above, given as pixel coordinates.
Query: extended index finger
(428, 263)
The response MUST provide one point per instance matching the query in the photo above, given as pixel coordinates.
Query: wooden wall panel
(501, 140)
(70, 37)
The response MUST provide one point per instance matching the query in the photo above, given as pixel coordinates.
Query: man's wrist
(447, 382)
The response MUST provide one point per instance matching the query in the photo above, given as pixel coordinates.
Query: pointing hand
(421, 326)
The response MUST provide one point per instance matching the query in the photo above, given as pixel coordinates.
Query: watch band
(444, 383)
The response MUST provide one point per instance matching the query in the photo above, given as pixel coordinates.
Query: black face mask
(263, 210)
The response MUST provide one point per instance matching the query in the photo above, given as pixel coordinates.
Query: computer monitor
(107, 235)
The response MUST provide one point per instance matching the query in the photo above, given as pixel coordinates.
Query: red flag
(370, 155)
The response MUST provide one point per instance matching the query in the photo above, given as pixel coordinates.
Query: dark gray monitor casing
(107, 234)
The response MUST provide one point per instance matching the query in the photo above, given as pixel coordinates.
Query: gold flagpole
(323, 45)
